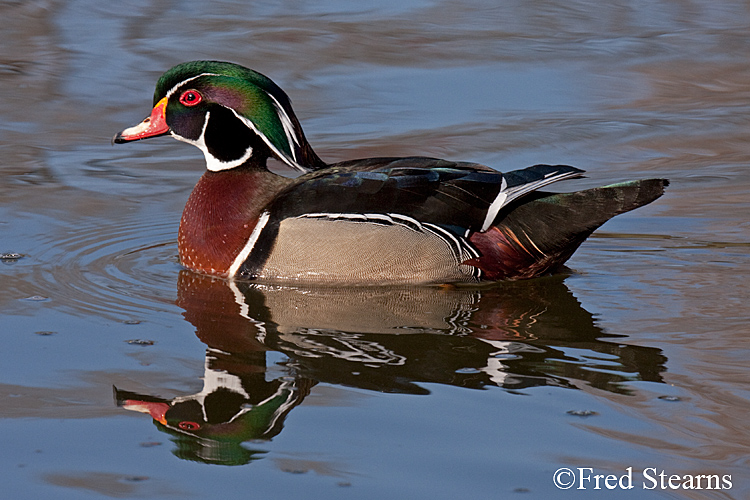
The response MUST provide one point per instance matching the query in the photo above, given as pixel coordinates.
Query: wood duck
(411, 220)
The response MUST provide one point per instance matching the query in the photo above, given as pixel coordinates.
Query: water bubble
(37, 298)
(582, 413)
(140, 342)
(672, 399)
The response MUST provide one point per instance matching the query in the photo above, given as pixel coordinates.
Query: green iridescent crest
(256, 100)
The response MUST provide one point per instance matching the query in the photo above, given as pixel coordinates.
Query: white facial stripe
(183, 82)
(286, 122)
(283, 156)
(245, 253)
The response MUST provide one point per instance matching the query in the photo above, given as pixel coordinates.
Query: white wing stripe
(506, 195)
(495, 206)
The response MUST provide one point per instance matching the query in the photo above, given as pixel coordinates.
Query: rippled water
(634, 357)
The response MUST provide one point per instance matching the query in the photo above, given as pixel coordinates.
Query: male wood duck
(412, 220)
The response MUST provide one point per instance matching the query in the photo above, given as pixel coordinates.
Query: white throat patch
(213, 163)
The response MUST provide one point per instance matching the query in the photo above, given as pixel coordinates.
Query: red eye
(189, 426)
(191, 97)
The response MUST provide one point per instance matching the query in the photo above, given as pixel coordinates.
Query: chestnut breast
(220, 216)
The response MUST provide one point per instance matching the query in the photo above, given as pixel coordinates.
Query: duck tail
(539, 232)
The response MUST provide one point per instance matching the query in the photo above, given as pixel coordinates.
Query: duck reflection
(514, 336)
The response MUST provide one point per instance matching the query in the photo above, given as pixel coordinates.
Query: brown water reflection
(513, 336)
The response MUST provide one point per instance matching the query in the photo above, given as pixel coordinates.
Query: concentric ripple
(116, 267)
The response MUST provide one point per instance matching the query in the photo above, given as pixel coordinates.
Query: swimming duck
(411, 220)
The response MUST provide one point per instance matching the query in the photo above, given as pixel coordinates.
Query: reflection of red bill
(153, 126)
(156, 410)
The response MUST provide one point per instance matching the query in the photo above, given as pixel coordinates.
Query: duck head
(235, 115)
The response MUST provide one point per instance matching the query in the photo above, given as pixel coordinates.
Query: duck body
(411, 220)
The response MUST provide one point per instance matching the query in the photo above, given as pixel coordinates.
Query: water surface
(636, 356)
